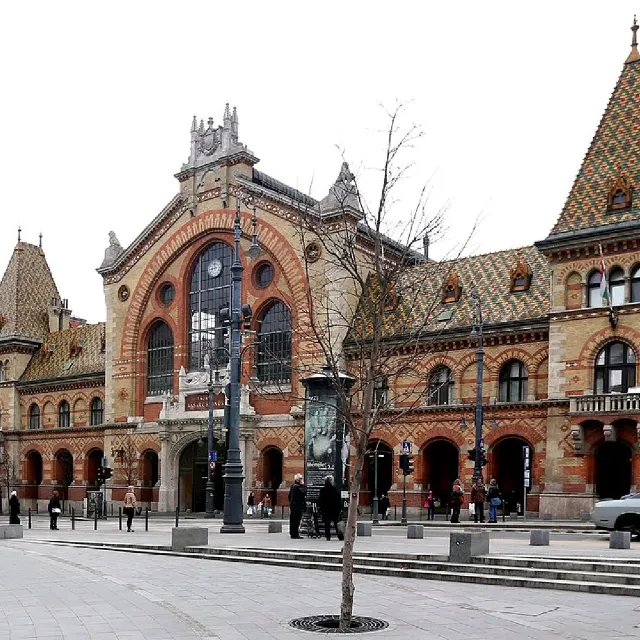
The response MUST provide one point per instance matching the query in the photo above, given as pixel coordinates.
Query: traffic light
(107, 472)
(472, 455)
(483, 458)
(409, 470)
(404, 462)
(100, 475)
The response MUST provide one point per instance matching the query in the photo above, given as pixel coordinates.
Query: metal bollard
(177, 518)
(95, 520)
(73, 519)
(120, 518)
(36, 507)
(395, 511)
(146, 519)
(29, 517)
(112, 509)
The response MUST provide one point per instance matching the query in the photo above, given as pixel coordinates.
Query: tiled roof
(615, 147)
(26, 291)
(68, 353)
(419, 290)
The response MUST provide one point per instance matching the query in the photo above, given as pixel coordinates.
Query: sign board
(213, 456)
(526, 453)
(406, 446)
(200, 402)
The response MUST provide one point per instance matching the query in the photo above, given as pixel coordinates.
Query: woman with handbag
(129, 508)
(457, 498)
(493, 496)
(54, 511)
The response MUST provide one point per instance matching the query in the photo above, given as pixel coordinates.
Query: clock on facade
(215, 268)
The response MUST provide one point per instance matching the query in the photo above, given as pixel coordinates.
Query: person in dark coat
(297, 505)
(54, 511)
(383, 506)
(14, 509)
(330, 507)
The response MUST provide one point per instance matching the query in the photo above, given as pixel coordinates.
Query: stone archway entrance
(613, 470)
(272, 461)
(193, 475)
(33, 475)
(94, 462)
(63, 472)
(382, 453)
(440, 463)
(507, 467)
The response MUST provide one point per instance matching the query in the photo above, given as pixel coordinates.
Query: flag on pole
(604, 285)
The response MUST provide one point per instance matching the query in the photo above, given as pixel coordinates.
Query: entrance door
(440, 464)
(379, 455)
(613, 470)
(194, 468)
(508, 469)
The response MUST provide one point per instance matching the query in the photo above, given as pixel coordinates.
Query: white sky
(97, 104)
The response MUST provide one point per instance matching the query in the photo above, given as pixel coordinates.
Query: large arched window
(209, 291)
(159, 359)
(97, 411)
(513, 382)
(440, 386)
(615, 368)
(616, 286)
(274, 345)
(593, 285)
(635, 285)
(34, 416)
(64, 414)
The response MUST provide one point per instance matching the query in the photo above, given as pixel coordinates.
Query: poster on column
(320, 441)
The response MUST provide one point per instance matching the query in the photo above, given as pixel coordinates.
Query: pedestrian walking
(54, 511)
(330, 507)
(14, 508)
(493, 496)
(251, 504)
(430, 506)
(457, 498)
(297, 505)
(129, 508)
(266, 506)
(477, 499)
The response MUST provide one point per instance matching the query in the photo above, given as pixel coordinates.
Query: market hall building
(560, 365)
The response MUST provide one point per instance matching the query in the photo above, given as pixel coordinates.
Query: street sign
(406, 446)
(213, 456)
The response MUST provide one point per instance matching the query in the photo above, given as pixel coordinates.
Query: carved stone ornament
(313, 251)
(609, 432)
(620, 190)
(521, 276)
(123, 293)
(577, 438)
(452, 289)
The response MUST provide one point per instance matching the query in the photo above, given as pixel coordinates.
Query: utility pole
(479, 413)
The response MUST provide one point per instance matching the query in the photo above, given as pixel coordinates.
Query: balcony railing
(606, 403)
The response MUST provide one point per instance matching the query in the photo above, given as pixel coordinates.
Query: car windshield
(631, 496)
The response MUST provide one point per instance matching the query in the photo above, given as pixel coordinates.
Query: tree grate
(330, 624)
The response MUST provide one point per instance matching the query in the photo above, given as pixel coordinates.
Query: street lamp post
(479, 417)
(214, 383)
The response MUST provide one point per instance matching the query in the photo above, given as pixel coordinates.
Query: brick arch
(601, 338)
(441, 360)
(272, 441)
(149, 445)
(199, 231)
(512, 354)
(539, 358)
(392, 440)
(32, 446)
(92, 446)
(494, 436)
(442, 433)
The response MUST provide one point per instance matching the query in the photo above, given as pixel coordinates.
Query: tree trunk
(346, 606)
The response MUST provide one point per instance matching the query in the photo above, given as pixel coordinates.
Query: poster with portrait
(320, 440)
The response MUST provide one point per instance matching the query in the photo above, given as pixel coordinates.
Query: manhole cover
(330, 624)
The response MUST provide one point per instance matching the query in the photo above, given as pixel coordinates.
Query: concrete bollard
(539, 538)
(363, 529)
(585, 516)
(11, 531)
(620, 540)
(275, 527)
(545, 516)
(415, 532)
(182, 537)
(465, 545)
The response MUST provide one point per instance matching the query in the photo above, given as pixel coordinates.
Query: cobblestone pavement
(50, 591)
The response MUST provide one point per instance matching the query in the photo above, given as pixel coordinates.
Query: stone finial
(634, 56)
(343, 194)
(112, 252)
(194, 125)
(227, 113)
(19, 234)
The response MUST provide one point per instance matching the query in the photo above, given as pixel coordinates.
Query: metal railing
(605, 403)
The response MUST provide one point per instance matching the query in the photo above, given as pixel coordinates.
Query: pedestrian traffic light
(409, 469)
(107, 472)
(472, 455)
(483, 458)
(404, 462)
(100, 475)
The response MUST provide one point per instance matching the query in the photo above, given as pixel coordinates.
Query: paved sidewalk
(55, 592)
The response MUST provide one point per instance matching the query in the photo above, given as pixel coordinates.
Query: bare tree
(373, 299)
(9, 477)
(128, 459)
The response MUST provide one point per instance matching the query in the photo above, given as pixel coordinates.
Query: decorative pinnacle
(40, 240)
(227, 112)
(194, 124)
(634, 56)
(19, 232)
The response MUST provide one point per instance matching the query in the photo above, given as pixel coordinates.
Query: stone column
(168, 477)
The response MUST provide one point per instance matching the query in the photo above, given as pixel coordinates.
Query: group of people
(479, 494)
(264, 508)
(329, 504)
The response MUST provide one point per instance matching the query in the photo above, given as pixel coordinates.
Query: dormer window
(520, 276)
(452, 289)
(620, 191)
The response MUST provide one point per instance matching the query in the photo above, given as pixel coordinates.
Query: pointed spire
(227, 113)
(194, 124)
(634, 56)
(19, 234)
(40, 240)
(201, 127)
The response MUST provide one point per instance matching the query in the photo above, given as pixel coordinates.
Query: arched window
(513, 382)
(64, 414)
(635, 285)
(274, 345)
(2, 372)
(616, 286)
(34, 416)
(440, 386)
(97, 412)
(159, 359)
(615, 368)
(209, 291)
(595, 299)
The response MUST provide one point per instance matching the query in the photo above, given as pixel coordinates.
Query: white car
(619, 515)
